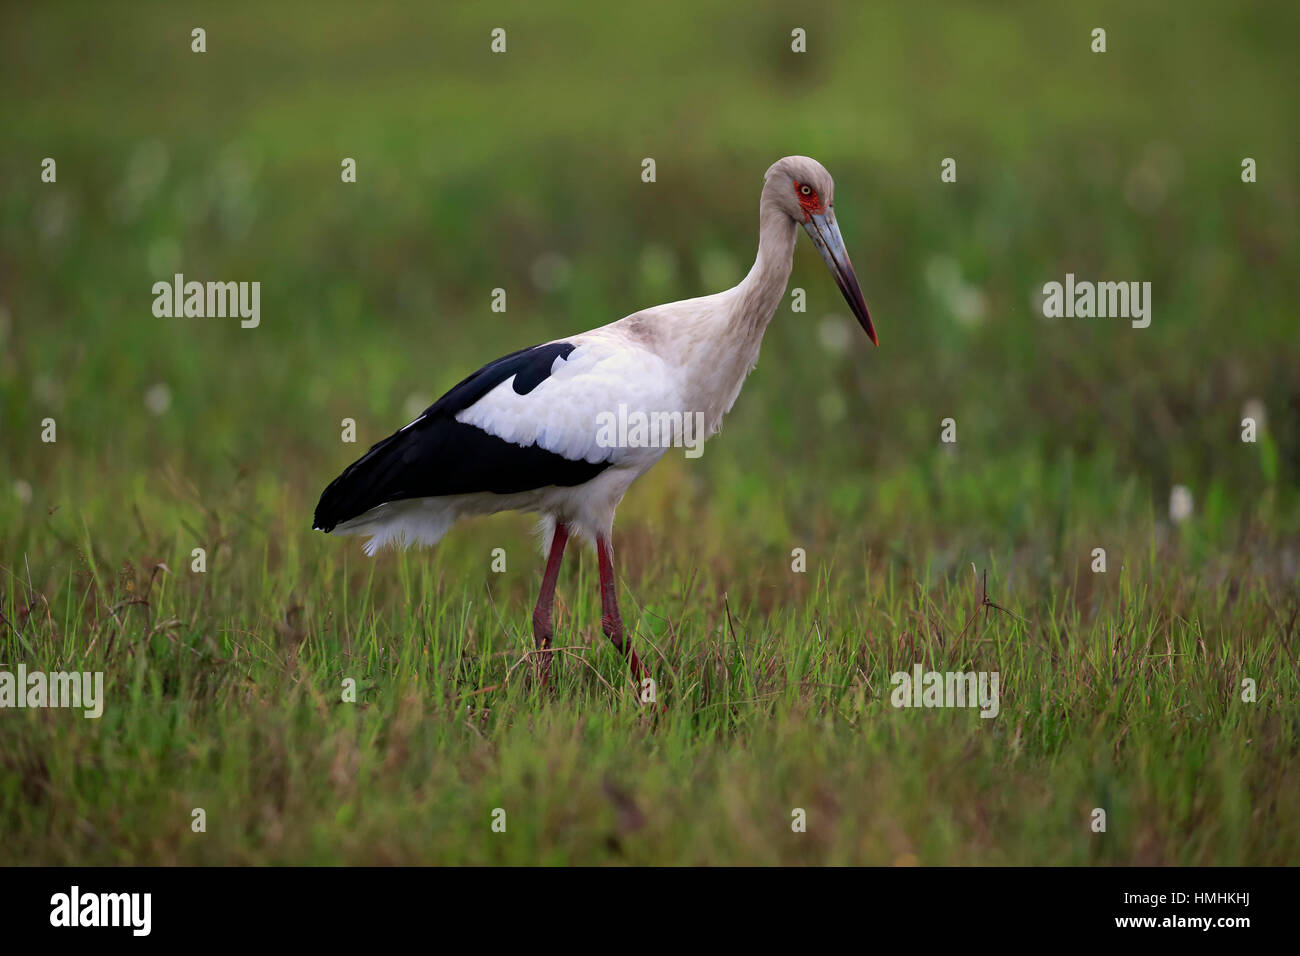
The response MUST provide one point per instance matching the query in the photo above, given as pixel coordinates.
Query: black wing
(437, 455)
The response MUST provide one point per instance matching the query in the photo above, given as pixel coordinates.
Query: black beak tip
(864, 319)
(868, 326)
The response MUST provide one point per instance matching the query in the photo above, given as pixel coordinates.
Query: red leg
(610, 620)
(542, 625)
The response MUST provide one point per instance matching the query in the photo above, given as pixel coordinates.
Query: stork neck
(760, 292)
(730, 349)
(714, 340)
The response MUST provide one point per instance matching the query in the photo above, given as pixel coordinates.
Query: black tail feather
(436, 455)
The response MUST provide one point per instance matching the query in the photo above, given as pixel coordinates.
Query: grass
(227, 695)
(1119, 690)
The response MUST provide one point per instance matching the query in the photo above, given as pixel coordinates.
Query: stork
(527, 432)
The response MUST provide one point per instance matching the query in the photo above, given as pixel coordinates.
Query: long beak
(825, 234)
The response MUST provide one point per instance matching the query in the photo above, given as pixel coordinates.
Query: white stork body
(524, 433)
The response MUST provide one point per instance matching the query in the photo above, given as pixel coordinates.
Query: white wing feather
(563, 414)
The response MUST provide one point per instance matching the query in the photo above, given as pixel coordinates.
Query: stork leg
(543, 629)
(611, 622)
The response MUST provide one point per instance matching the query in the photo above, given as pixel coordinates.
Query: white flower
(834, 334)
(966, 302)
(550, 272)
(158, 399)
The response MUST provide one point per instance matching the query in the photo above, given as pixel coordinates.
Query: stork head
(801, 188)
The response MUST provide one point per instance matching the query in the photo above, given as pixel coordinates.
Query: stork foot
(543, 656)
(543, 628)
(640, 673)
(611, 621)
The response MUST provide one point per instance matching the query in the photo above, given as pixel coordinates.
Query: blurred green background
(523, 171)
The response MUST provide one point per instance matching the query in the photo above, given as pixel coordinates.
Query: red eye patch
(810, 202)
